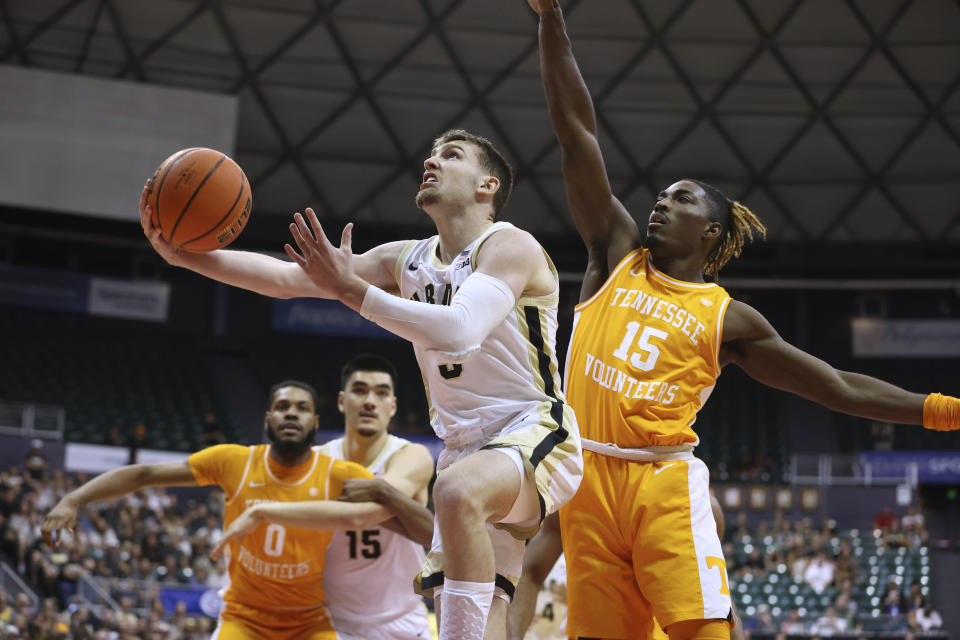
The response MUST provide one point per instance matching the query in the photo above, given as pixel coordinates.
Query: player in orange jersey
(276, 573)
(542, 554)
(650, 337)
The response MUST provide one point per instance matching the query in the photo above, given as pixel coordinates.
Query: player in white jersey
(510, 475)
(369, 573)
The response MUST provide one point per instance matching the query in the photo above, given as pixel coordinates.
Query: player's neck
(290, 459)
(457, 229)
(687, 268)
(364, 449)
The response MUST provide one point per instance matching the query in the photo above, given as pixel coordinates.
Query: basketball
(200, 199)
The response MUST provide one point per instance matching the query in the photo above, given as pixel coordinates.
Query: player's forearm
(323, 515)
(255, 272)
(568, 100)
(111, 484)
(868, 397)
(414, 518)
(458, 329)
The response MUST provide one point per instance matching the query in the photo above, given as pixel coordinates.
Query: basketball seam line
(176, 159)
(194, 195)
(243, 181)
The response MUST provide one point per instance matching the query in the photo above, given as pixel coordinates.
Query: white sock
(464, 607)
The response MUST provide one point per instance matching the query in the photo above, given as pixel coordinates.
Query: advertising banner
(323, 317)
(881, 338)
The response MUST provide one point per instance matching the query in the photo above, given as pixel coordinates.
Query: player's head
(291, 421)
(691, 216)
(464, 168)
(367, 397)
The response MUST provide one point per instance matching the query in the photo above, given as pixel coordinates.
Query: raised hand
(543, 6)
(330, 268)
(62, 517)
(166, 250)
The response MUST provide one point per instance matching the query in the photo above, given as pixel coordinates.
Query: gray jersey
(368, 575)
(513, 375)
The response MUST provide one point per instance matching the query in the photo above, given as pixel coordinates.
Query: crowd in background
(132, 545)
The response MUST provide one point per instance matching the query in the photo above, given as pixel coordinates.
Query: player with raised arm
(650, 337)
(276, 572)
(479, 303)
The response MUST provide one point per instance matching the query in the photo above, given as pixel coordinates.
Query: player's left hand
(361, 490)
(329, 267)
(237, 530)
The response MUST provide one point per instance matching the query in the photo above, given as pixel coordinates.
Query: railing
(32, 421)
(14, 585)
(829, 469)
(90, 592)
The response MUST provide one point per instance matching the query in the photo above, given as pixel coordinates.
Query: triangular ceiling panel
(818, 156)
(937, 207)
(873, 218)
(300, 103)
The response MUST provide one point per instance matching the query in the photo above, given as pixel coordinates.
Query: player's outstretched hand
(237, 530)
(62, 517)
(166, 250)
(543, 6)
(329, 267)
(362, 490)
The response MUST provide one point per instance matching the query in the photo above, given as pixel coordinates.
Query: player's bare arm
(320, 515)
(261, 273)
(402, 489)
(754, 345)
(604, 224)
(112, 484)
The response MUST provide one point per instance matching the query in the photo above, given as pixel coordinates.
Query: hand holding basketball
(198, 200)
(167, 251)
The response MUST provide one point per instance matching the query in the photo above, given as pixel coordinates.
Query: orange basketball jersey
(643, 356)
(275, 568)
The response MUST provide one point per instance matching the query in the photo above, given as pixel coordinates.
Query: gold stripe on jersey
(404, 254)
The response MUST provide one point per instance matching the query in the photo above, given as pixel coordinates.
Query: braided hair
(739, 226)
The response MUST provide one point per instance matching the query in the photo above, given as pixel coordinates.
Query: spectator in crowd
(36, 461)
(845, 564)
(762, 622)
(884, 519)
(829, 624)
(912, 520)
(926, 619)
(793, 624)
(846, 609)
(892, 602)
(916, 599)
(819, 573)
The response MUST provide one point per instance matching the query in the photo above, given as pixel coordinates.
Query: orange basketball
(200, 199)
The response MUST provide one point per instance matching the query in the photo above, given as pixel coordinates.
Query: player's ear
(713, 230)
(489, 185)
(340, 402)
(393, 406)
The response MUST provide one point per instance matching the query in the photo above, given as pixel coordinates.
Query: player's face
(680, 218)
(367, 402)
(452, 175)
(291, 421)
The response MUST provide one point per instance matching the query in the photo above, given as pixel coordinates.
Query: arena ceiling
(834, 120)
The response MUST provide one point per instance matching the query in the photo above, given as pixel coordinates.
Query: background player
(369, 573)
(512, 444)
(650, 337)
(276, 574)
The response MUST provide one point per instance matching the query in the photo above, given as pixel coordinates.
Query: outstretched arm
(113, 484)
(402, 490)
(754, 345)
(321, 515)
(513, 264)
(261, 273)
(604, 224)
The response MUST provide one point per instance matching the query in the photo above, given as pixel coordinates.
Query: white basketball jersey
(368, 575)
(514, 374)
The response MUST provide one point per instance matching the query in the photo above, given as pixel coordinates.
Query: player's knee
(699, 629)
(454, 496)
